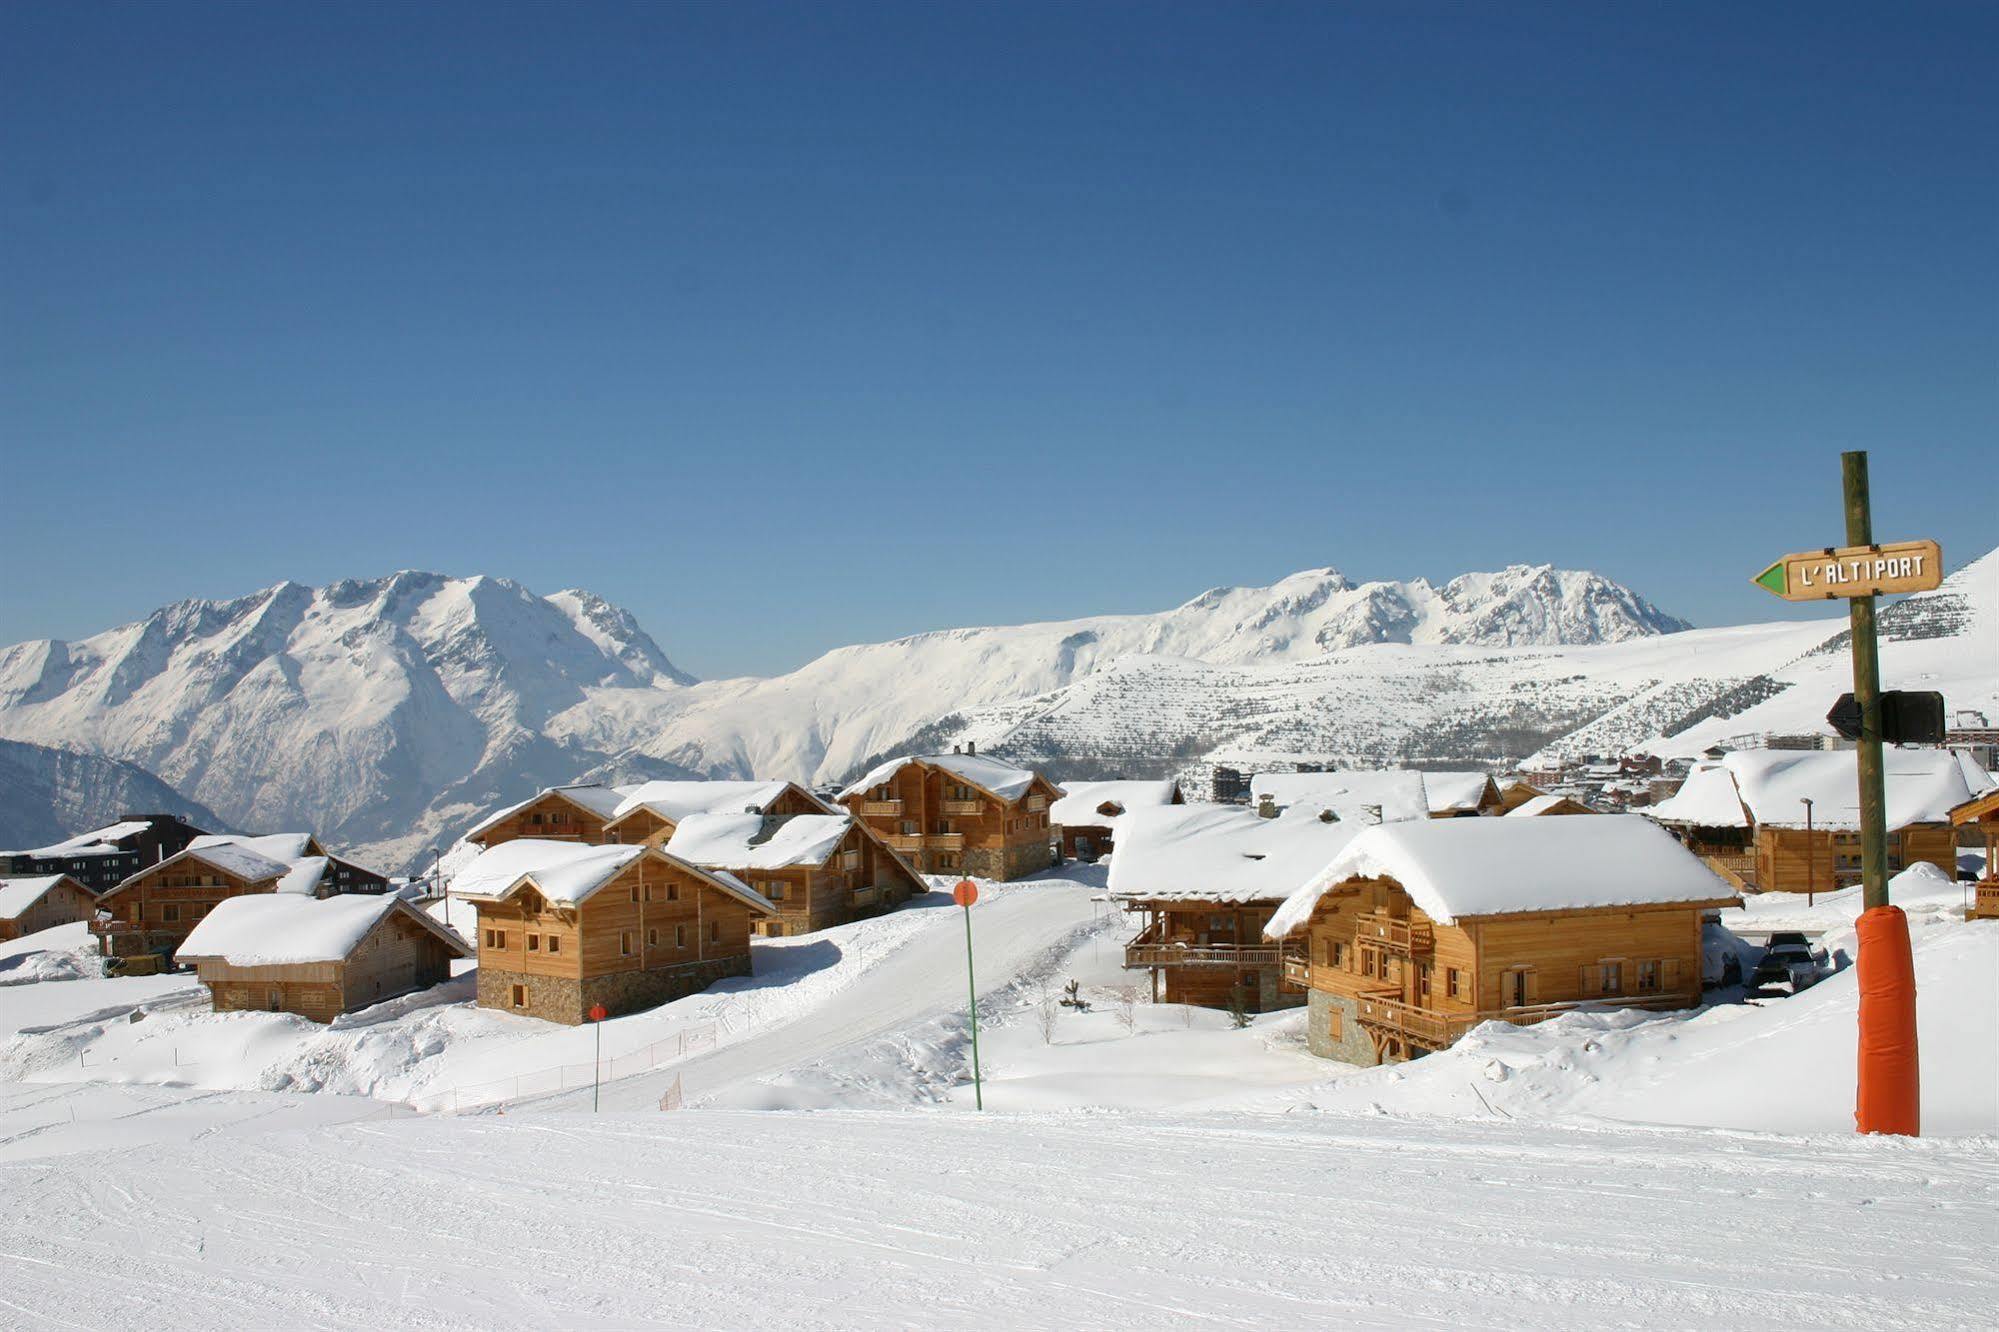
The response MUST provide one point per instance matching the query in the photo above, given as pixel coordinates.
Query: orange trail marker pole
(964, 895)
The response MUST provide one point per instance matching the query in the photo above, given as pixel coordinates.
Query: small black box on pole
(1908, 717)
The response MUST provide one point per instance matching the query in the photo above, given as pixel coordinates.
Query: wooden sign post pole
(1888, 1097)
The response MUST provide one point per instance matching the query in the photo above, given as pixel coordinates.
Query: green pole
(1867, 693)
(978, 1088)
(597, 1069)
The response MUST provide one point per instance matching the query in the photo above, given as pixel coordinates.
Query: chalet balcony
(1298, 971)
(1985, 900)
(927, 841)
(1396, 934)
(114, 927)
(963, 808)
(881, 808)
(1151, 949)
(1036, 803)
(1425, 1026)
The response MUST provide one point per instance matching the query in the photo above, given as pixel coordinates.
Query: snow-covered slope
(48, 794)
(374, 712)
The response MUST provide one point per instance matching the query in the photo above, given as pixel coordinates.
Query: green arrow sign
(1773, 579)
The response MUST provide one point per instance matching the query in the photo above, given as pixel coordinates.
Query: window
(534, 943)
(1367, 961)
(1611, 977)
(488, 940)
(714, 931)
(520, 996)
(1454, 982)
(673, 892)
(499, 938)
(274, 1000)
(635, 892)
(680, 936)
(554, 943)
(625, 943)
(169, 912)
(1648, 976)
(652, 938)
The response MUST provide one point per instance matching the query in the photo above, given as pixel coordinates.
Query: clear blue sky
(792, 326)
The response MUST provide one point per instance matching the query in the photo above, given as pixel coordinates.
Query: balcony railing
(1298, 972)
(1985, 901)
(1150, 949)
(881, 808)
(964, 808)
(1437, 1028)
(114, 927)
(927, 841)
(1396, 933)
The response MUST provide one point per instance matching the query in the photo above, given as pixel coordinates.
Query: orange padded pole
(1889, 1099)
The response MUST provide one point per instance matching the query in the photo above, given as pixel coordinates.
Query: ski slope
(944, 1220)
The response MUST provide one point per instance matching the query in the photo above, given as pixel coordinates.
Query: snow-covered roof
(240, 861)
(97, 842)
(17, 895)
(1454, 792)
(1083, 807)
(282, 929)
(286, 847)
(1002, 779)
(567, 873)
(674, 801)
(742, 841)
(1221, 853)
(1453, 869)
(1536, 806)
(594, 797)
(1353, 795)
(1923, 785)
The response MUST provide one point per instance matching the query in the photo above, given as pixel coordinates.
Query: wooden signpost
(1855, 571)
(1888, 1099)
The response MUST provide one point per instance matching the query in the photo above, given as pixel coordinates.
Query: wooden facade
(1790, 860)
(656, 931)
(559, 814)
(1213, 954)
(1387, 982)
(44, 902)
(945, 824)
(1515, 794)
(403, 952)
(862, 877)
(1981, 816)
(107, 857)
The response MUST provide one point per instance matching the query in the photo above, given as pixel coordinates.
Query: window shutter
(1591, 980)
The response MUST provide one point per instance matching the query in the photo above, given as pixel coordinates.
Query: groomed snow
(1083, 806)
(1002, 779)
(1355, 796)
(1458, 868)
(280, 929)
(17, 895)
(1222, 853)
(731, 841)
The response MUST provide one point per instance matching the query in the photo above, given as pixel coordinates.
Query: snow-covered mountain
(49, 794)
(824, 719)
(373, 711)
(387, 714)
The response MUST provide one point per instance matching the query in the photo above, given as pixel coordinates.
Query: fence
(573, 1077)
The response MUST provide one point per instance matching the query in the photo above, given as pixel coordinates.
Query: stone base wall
(1009, 862)
(1351, 1045)
(568, 1000)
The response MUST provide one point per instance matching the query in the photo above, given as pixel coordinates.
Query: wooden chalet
(1981, 815)
(105, 857)
(1541, 806)
(317, 957)
(651, 811)
(1204, 881)
(1515, 794)
(1789, 820)
(565, 926)
(152, 912)
(1417, 932)
(959, 814)
(29, 905)
(1086, 818)
(818, 870)
(576, 813)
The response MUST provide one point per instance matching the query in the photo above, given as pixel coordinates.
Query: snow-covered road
(955, 1219)
(1010, 930)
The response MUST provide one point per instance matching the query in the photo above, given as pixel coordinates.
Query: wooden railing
(881, 808)
(1036, 803)
(1394, 932)
(930, 841)
(1152, 949)
(968, 808)
(114, 927)
(1298, 971)
(1439, 1028)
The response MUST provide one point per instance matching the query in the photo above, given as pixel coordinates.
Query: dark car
(1788, 960)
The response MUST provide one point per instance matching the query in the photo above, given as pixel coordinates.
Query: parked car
(1788, 960)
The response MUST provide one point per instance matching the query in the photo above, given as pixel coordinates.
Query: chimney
(971, 746)
(957, 749)
(1266, 806)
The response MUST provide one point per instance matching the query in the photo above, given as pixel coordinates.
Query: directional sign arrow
(1772, 579)
(1855, 571)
